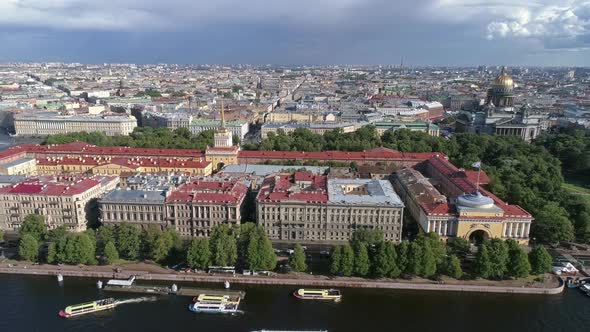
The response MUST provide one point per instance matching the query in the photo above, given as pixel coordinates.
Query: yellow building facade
(23, 166)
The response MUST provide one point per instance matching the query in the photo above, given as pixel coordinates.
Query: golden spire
(222, 115)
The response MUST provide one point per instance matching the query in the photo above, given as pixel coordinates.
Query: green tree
(51, 253)
(297, 260)
(223, 246)
(259, 252)
(582, 224)
(347, 261)
(158, 244)
(76, 248)
(453, 267)
(57, 233)
(111, 254)
(458, 246)
(518, 262)
(382, 261)
(104, 235)
(149, 238)
(437, 246)
(483, 265)
(362, 264)
(499, 258)
(34, 225)
(429, 260)
(367, 236)
(198, 254)
(28, 248)
(128, 240)
(402, 255)
(385, 261)
(519, 266)
(335, 260)
(540, 260)
(552, 224)
(415, 257)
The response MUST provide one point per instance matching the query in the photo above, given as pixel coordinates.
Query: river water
(31, 303)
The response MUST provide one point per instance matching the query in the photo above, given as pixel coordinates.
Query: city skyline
(424, 32)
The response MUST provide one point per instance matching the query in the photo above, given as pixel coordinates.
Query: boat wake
(138, 300)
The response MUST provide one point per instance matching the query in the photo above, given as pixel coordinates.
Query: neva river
(31, 303)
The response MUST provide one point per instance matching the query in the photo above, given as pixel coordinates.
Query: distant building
(425, 127)
(183, 120)
(23, 166)
(121, 165)
(303, 207)
(499, 117)
(51, 123)
(61, 200)
(317, 128)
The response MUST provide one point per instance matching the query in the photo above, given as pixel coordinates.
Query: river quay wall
(261, 280)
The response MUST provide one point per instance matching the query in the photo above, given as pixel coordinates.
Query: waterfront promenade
(553, 287)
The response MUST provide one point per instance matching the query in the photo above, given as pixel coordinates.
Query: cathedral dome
(504, 80)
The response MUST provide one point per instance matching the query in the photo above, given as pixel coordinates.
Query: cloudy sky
(424, 32)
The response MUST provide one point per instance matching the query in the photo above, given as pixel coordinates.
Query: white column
(438, 226)
(522, 231)
(510, 230)
(528, 228)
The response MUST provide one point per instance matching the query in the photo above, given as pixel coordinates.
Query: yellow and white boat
(318, 294)
(89, 307)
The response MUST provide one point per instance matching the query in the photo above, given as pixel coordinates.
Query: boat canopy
(117, 282)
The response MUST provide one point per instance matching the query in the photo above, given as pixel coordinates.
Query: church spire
(222, 115)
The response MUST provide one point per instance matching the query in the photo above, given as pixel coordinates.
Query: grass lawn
(576, 189)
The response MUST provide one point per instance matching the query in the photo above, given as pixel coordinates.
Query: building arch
(478, 235)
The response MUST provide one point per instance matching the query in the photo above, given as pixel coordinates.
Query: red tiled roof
(373, 154)
(472, 176)
(215, 192)
(462, 180)
(282, 188)
(129, 162)
(51, 186)
(93, 150)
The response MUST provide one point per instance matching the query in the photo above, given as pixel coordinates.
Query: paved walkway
(261, 280)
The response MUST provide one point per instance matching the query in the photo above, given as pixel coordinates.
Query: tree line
(141, 137)
(247, 246)
(367, 255)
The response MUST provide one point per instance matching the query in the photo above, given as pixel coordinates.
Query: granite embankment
(285, 280)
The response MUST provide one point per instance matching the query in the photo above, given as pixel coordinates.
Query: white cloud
(569, 21)
(554, 22)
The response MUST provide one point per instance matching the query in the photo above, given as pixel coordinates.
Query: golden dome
(504, 80)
